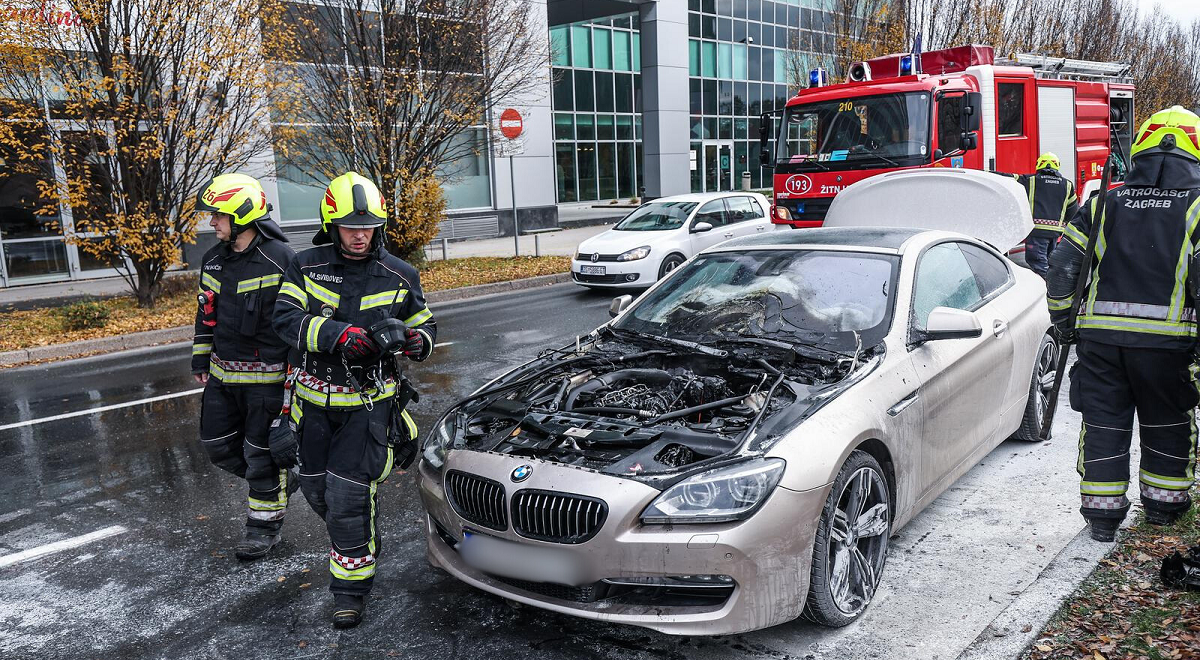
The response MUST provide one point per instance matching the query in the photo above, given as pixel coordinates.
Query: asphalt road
(163, 583)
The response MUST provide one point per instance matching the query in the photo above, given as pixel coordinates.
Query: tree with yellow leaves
(124, 108)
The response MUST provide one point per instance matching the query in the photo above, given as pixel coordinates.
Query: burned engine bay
(618, 408)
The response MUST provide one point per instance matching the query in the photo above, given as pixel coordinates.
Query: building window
(581, 46)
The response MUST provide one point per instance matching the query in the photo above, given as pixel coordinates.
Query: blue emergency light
(816, 78)
(906, 65)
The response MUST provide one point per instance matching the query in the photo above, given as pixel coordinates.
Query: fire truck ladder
(1063, 68)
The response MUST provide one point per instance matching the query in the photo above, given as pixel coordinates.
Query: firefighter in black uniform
(238, 356)
(1137, 326)
(1053, 201)
(349, 397)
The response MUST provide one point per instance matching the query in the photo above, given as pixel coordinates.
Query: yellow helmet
(1048, 159)
(1175, 130)
(240, 196)
(352, 200)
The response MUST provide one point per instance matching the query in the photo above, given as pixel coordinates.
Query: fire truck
(957, 107)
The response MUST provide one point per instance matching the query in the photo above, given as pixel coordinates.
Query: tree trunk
(149, 284)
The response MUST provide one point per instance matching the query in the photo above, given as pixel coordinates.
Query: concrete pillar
(665, 142)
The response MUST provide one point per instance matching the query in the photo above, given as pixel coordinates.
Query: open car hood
(989, 207)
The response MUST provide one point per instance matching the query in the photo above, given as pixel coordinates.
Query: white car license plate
(519, 561)
(591, 270)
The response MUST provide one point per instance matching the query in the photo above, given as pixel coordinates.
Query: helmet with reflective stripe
(1175, 130)
(1048, 159)
(240, 196)
(352, 200)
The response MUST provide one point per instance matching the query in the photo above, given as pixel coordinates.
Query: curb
(184, 333)
(1006, 636)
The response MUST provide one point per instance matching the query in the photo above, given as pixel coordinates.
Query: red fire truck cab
(959, 108)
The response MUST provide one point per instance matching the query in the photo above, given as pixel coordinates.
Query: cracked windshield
(820, 298)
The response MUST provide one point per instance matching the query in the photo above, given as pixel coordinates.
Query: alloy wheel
(858, 540)
(1047, 360)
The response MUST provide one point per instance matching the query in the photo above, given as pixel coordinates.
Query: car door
(745, 216)
(963, 381)
(714, 213)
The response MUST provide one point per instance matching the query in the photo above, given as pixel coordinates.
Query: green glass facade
(741, 56)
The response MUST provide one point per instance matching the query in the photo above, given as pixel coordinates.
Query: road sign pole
(512, 180)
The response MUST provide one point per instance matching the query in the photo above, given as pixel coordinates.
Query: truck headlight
(441, 439)
(721, 495)
(634, 254)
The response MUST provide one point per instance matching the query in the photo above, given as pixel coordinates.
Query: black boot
(1162, 518)
(1104, 529)
(348, 610)
(255, 545)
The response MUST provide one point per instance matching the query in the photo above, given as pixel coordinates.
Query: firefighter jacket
(323, 294)
(1139, 292)
(1051, 198)
(235, 341)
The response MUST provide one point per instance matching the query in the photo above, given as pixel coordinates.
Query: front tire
(1039, 391)
(669, 264)
(851, 543)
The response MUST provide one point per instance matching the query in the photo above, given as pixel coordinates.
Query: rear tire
(669, 264)
(1039, 390)
(848, 557)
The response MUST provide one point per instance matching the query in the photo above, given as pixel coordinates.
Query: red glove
(414, 343)
(356, 344)
(208, 307)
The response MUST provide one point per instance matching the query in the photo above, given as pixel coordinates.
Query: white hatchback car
(660, 235)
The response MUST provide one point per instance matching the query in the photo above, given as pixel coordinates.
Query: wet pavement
(164, 583)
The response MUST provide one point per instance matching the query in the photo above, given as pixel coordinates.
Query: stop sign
(511, 124)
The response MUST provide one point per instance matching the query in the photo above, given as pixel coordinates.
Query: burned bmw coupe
(736, 447)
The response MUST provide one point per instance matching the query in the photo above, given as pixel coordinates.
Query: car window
(740, 209)
(990, 272)
(944, 279)
(712, 213)
(758, 209)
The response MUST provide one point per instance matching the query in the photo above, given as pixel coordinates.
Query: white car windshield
(815, 297)
(657, 216)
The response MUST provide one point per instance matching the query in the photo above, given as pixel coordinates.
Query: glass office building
(742, 55)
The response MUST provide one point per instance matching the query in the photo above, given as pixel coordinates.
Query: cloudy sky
(1184, 10)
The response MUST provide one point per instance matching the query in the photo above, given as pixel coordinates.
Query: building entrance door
(718, 166)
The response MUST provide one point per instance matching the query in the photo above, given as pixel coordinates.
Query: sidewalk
(560, 243)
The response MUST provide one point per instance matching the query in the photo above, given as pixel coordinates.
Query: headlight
(441, 438)
(635, 254)
(721, 495)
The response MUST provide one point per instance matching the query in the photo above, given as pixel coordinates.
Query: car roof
(704, 197)
(887, 238)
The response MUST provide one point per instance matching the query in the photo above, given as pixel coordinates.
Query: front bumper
(764, 559)
(638, 274)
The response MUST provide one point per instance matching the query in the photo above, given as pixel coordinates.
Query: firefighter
(349, 396)
(1053, 201)
(237, 355)
(1137, 326)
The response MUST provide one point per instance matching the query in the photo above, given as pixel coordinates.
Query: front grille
(476, 499)
(557, 517)
(598, 279)
(585, 594)
(815, 208)
(582, 256)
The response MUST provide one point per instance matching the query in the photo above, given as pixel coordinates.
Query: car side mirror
(701, 227)
(949, 323)
(618, 305)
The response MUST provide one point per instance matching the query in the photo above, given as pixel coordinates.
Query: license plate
(591, 270)
(519, 561)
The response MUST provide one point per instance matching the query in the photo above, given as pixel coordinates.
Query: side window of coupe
(990, 272)
(713, 213)
(944, 279)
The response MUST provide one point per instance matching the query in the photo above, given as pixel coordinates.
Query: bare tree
(394, 87)
(139, 102)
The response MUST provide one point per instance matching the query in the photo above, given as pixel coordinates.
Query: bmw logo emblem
(521, 473)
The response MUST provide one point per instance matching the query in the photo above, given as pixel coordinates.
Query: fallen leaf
(1143, 557)
(1043, 648)
(281, 578)
(1143, 585)
(305, 570)
(201, 517)
(1026, 628)
(306, 585)
(1097, 656)
(302, 644)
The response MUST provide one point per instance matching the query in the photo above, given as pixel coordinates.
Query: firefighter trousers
(1108, 384)
(1037, 252)
(344, 457)
(234, 424)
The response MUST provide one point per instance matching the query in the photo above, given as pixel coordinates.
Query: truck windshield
(889, 130)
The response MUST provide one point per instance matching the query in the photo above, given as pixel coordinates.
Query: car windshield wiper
(876, 154)
(811, 161)
(708, 350)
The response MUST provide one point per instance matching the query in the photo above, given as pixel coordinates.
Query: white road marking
(90, 411)
(445, 343)
(59, 546)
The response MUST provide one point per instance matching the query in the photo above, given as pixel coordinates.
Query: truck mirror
(970, 141)
(765, 158)
(972, 105)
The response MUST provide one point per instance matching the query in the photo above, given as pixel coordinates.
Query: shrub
(84, 315)
(420, 206)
